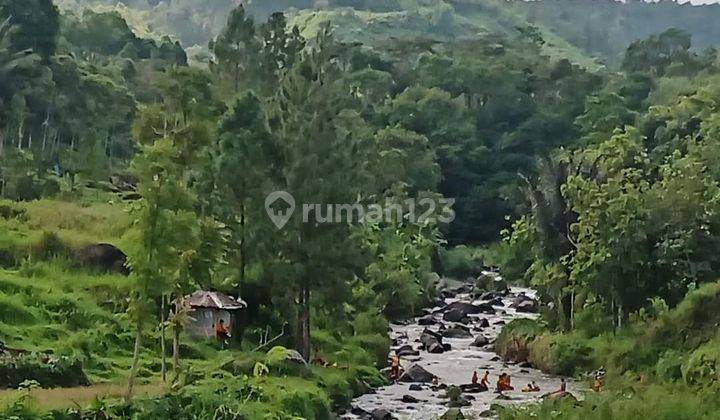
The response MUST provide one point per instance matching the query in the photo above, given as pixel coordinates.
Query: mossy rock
(286, 361)
(489, 283)
(452, 414)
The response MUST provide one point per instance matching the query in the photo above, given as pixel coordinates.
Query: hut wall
(204, 320)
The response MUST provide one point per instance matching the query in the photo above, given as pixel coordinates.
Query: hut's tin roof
(206, 299)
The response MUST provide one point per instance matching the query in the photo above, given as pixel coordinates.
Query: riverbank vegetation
(621, 243)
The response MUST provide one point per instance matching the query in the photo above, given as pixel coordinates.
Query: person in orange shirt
(395, 367)
(222, 334)
(503, 383)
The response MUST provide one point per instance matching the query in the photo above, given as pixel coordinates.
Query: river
(455, 367)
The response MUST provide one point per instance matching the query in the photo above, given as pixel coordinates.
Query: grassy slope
(49, 305)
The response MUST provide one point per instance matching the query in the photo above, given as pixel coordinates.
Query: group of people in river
(483, 384)
(504, 383)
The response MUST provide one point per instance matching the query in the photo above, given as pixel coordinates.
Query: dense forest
(139, 143)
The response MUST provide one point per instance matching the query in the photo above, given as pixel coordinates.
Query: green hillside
(576, 29)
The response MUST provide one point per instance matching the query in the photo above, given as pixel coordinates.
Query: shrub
(703, 365)
(460, 262)
(244, 364)
(50, 188)
(562, 354)
(513, 342)
(50, 246)
(47, 371)
(669, 366)
(369, 323)
(655, 401)
(25, 189)
(11, 211)
(306, 403)
(337, 386)
(375, 345)
(593, 320)
(14, 312)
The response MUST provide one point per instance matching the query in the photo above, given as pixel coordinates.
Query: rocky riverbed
(449, 342)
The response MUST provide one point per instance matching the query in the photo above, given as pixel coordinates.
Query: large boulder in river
(416, 373)
(453, 315)
(381, 414)
(436, 348)
(524, 303)
(486, 308)
(406, 350)
(483, 323)
(530, 306)
(427, 320)
(480, 341)
(456, 331)
(496, 302)
(428, 336)
(409, 399)
(465, 308)
(104, 257)
(432, 341)
(490, 296)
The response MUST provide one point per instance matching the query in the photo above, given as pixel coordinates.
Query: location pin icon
(279, 206)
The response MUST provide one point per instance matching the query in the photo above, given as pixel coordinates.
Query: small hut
(207, 308)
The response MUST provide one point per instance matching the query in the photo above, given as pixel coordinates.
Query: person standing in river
(485, 381)
(560, 392)
(395, 367)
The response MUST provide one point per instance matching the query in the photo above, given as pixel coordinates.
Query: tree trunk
(44, 143)
(46, 127)
(136, 359)
(303, 324)
(242, 245)
(20, 134)
(163, 363)
(562, 317)
(572, 308)
(176, 350)
(612, 312)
